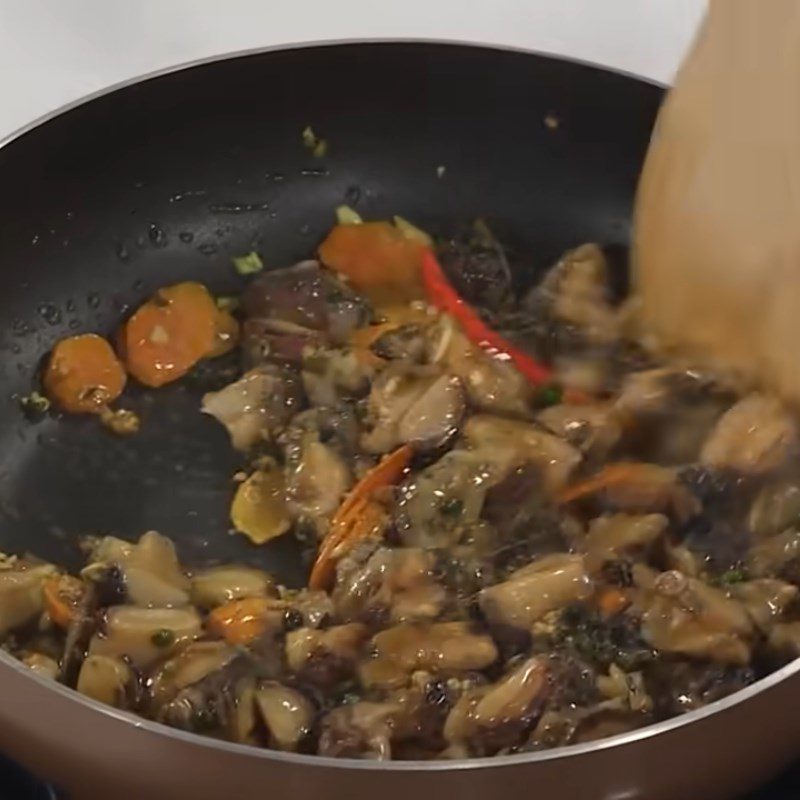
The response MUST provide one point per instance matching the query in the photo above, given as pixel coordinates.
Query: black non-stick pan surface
(167, 179)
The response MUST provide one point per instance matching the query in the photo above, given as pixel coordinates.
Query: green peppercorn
(452, 507)
(732, 576)
(550, 395)
(163, 637)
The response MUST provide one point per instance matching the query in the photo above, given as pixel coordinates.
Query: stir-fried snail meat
(525, 532)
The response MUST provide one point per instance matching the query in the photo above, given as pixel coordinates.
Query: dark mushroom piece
(478, 267)
(307, 296)
(265, 341)
(408, 342)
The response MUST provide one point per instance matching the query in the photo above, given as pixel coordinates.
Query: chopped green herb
(249, 264)
(550, 395)
(347, 216)
(452, 507)
(732, 576)
(599, 641)
(35, 403)
(163, 637)
(122, 421)
(312, 142)
(309, 137)
(227, 303)
(412, 232)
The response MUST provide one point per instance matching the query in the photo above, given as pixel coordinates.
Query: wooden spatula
(717, 227)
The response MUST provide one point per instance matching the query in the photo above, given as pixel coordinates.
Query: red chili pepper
(442, 294)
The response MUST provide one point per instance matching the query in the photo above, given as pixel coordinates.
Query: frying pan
(168, 178)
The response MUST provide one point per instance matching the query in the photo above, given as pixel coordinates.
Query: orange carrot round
(61, 595)
(170, 333)
(240, 621)
(377, 259)
(83, 374)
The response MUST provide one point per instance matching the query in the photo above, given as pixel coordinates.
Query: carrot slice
(240, 621)
(358, 516)
(226, 335)
(608, 477)
(577, 397)
(61, 594)
(377, 258)
(612, 475)
(386, 472)
(365, 518)
(83, 374)
(611, 601)
(170, 333)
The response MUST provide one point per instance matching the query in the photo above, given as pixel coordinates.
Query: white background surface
(53, 51)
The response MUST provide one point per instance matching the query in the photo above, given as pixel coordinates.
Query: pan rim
(369, 765)
(242, 750)
(314, 44)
